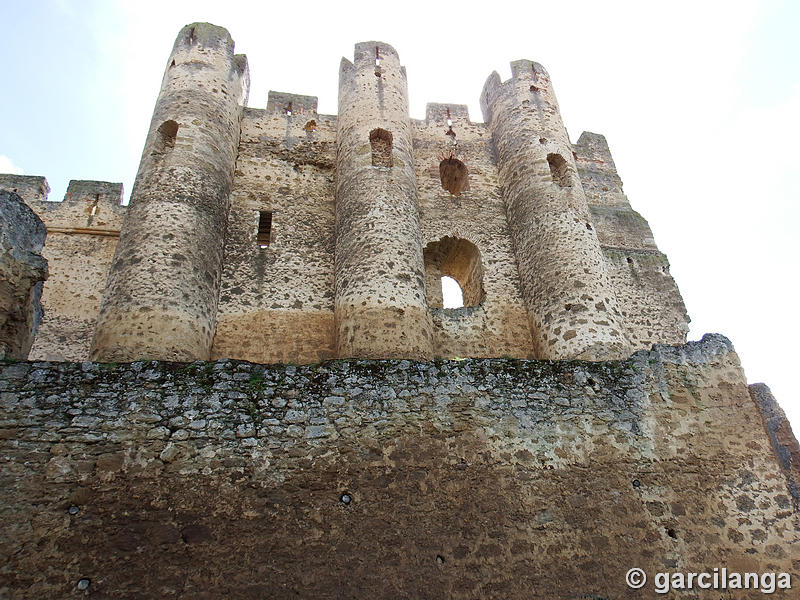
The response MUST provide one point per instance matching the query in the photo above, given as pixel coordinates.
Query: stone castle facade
(283, 235)
(209, 450)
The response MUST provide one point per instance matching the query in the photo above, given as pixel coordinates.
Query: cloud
(8, 166)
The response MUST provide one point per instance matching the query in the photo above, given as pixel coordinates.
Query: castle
(213, 449)
(283, 235)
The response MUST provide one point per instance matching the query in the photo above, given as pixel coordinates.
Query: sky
(699, 101)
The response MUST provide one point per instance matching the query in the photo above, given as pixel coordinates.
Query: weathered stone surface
(569, 296)
(163, 285)
(22, 272)
(82, 234)
(281, 235)
(475, 478)
(379, 295)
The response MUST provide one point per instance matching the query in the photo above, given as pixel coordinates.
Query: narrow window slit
(264, 236)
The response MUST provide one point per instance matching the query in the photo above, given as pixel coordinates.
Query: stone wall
(160, 299)
(276, 299)
(194, 278)
(82, 234)
(386, 479)
(498, 324)
(651, 305)
(22, 271)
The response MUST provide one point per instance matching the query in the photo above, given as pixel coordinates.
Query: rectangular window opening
(264, 236)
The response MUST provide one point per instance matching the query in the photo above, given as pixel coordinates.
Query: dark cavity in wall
(264, 236)
(166, 134)
(454, 176)
(381, 142)
(558, 169)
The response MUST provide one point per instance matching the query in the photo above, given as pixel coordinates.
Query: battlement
(592, 149)
(601, 182)
(92, 207)
(302, 236)
(572, 415)
(88, 207)
(440, 113)
(367, 54)
(200, 50)
(291, 104)
(529, 83)
(377, 58)
(31, 188)
(202, 45)
(203, 36)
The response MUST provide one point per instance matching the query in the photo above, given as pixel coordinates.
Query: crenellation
(31, 188)
(294, 105)
(442, 113)
(598, 172)
(535, 442)
(281, 235)
(88, 207)
(82, 233)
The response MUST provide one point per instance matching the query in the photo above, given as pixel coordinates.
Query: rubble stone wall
(459, 479)
(22, 271)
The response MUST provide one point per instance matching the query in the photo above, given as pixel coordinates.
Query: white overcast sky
(700, 103)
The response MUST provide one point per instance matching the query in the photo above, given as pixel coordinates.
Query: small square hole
(264, 236)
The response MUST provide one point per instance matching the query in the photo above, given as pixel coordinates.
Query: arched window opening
(559, 169)
(452, 296)
(166, 134)
(381, 142)
(454, 175)
(453, 268)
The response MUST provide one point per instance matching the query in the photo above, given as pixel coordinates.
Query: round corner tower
(161, 296)
(380, 307)
(565, 284)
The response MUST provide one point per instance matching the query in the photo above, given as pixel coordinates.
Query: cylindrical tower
(161, 296)
(570, 299)
(380, 306)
